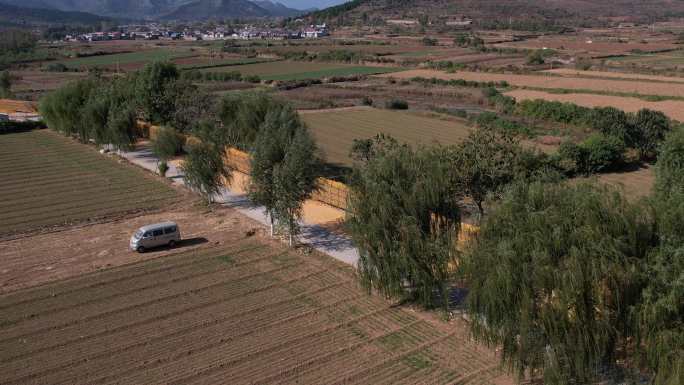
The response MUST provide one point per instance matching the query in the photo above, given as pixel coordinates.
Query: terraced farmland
(253, 312)
(335, 131)
(289, 70)
(47, 180)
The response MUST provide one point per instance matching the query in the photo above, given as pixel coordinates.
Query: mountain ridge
(164, 9)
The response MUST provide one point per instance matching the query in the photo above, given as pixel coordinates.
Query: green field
(290, 70)
(49, 180)
(662, 59)
(335, 131)
(126, 59)
(208, 63)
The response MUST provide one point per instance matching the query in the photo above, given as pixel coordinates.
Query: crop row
(187, 272)
(187, 330)
(77, 285)
(230, 280)
(154, 312)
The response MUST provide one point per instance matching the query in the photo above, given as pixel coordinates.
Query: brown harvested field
(616, 75)
(588, 44)
(335, 130)
(672, 108)
(250, 311)
(553, 82)
(48, 180)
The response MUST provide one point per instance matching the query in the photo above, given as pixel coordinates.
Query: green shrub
(396, 104)
(167, 144)
(163, 168)
(367, 101)
(57, 67)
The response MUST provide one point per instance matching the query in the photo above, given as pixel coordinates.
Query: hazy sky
(304, 4)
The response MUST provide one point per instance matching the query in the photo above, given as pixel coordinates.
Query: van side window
(170, 230)
(157, 232)
(147, 234)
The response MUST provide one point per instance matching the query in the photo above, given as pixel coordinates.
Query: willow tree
(553, 275)
(295, 180)
(243, 115)
(205, 170)
(661, 313)
(404, 219)
(110, 114)
(153, 100)
(62, 109)
(284, 167)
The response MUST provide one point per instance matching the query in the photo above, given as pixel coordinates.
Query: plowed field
(48, 180)
(251, 312)
(555, 82)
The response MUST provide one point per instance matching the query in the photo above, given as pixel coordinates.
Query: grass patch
(392, 341)
(125, 58)
(335, 131)
(226, 259)
(224, 63)
(418, 361)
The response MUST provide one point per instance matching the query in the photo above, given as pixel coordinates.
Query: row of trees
(105, 110)
(643, 131)
(285, 163)
(404, 205)
(571, 279)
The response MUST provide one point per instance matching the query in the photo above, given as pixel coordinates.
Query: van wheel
(172, 243)
(140, 249)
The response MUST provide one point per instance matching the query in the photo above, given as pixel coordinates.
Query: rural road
(335, 245)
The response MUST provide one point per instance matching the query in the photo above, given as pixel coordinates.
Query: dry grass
(335, 130)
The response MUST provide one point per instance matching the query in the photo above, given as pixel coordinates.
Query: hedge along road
(48, 180)
(315, 231)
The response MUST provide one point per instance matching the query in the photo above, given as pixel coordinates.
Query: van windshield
(138, 234)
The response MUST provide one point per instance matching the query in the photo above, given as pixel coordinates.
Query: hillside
(221, 9)
(19, 16)
(164, 9)
(501, 13)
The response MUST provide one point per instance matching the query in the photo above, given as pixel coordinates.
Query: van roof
(158, 225)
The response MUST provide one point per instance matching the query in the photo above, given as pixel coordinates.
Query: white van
(159, 234)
